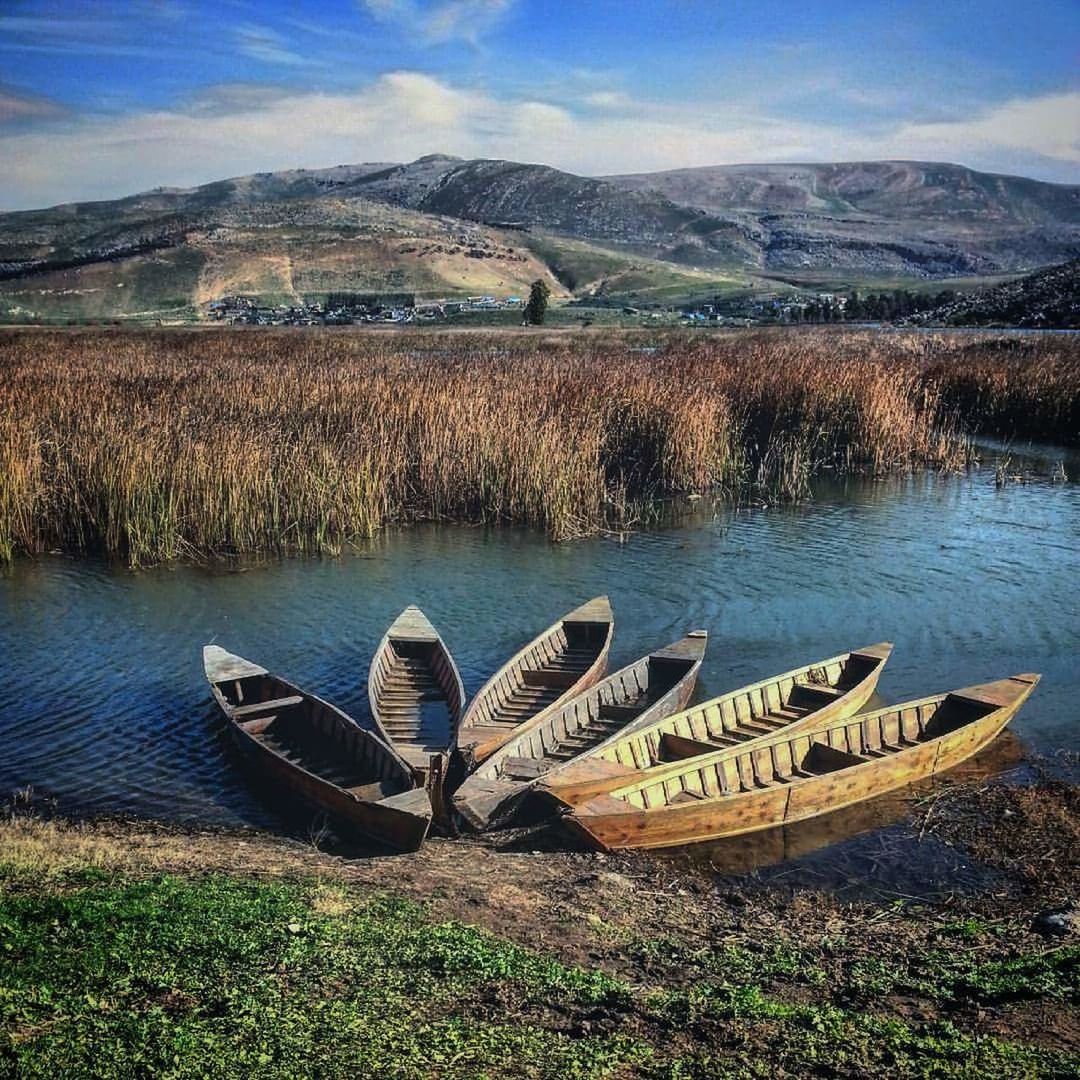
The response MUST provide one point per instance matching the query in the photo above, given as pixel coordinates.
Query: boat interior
(595, 716)
(764, 709)
(784, 761)
(310, 734)
(550, 667)
(417, 693)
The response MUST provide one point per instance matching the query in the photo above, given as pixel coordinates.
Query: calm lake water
(103, 705)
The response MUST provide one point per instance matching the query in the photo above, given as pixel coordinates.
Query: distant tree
(536, 308)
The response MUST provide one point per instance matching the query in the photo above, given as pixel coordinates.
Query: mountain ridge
(487, 224)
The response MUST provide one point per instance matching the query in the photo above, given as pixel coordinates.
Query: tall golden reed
(160, 445)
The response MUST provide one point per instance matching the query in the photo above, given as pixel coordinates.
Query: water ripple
(104, 705)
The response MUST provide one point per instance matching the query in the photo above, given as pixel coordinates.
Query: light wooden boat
(788, 778)
(416, 695)
(808, 697)
(565, 659)
(312, 749)
(648, 689)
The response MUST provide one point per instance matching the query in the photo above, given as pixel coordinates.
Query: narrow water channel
(103, 706)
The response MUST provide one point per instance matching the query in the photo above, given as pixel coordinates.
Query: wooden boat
(811, 696)
(416, 695)
(648, 689)
(314, 750)
(789, 778)
(565, 659)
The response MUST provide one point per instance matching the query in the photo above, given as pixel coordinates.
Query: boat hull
(390, 826)
(606, 823)
(488, 799)
(300, 744)
(535, 682)
(602, 769)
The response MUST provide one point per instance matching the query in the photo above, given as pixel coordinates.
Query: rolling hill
(443, 226)
(1047, 299)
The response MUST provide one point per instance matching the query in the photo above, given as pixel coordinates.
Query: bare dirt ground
(928, 919)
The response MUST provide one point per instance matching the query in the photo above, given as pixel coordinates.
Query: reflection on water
(103, 705)
(904, 861)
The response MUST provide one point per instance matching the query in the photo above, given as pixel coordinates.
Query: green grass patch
(227, 977)
(171, 977)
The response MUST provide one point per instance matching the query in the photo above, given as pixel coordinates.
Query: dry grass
(46, 848)
(1027, 388)
(154, 446)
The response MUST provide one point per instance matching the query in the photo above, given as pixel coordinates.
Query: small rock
(1058, 922)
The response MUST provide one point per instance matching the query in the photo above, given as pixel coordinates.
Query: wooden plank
(273, 705)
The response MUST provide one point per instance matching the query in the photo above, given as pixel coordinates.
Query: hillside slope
(170, 264)
(1046, 299)
(442, 226)
(930, 218)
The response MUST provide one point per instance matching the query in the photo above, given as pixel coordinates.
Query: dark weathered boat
(565, 659)
(812, 696)
(416, 695)
(647, 690)
(314, 750)
(790, 778)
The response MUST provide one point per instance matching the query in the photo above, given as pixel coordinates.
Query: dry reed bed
(161, 445)
(1020, 387)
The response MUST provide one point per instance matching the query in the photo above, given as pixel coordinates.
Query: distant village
(350, 309)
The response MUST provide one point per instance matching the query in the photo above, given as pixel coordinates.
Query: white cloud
(20, 107)
(402, 115)
(267, 47)
(608, 99)
(437, 21)
(1048, 126)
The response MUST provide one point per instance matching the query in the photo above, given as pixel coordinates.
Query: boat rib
(808, 697)
(789, 778)
(646, 690)
(565, 659)
(312, 749)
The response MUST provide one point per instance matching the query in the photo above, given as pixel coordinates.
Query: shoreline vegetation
(153, 446)
(132, 948)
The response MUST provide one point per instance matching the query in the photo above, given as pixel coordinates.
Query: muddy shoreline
(843, 924)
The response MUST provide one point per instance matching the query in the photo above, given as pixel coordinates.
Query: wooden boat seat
(546, 678)
(273, 705)
(380, 789)
(823, 758)
(675, 747)
(623, 712)
(816, 692)
(258, 725)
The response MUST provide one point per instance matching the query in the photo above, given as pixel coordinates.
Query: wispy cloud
(268, 47)
(438, 21)
(16, 107)
(399, 116)
(104, 34)
(608, 99)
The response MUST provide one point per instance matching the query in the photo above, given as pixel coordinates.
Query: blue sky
(105, 98)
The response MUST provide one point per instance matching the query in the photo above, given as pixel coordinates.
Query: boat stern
(484, 802)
